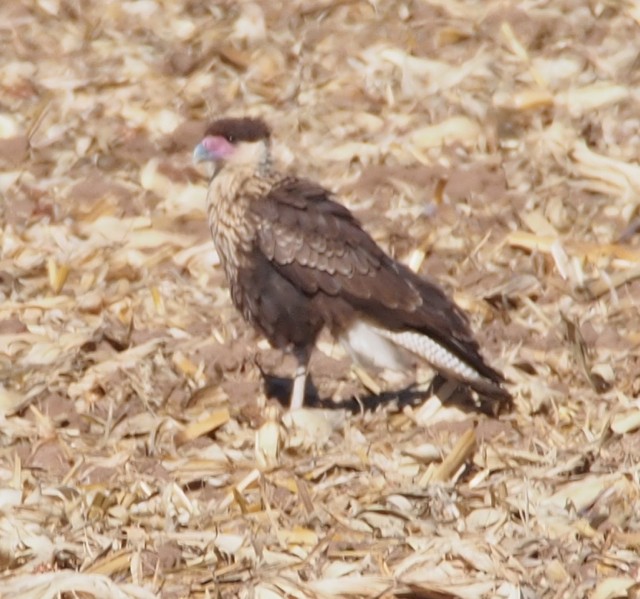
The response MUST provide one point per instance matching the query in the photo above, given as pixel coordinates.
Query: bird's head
(241, 141)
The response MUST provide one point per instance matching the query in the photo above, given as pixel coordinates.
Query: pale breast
(229, 198)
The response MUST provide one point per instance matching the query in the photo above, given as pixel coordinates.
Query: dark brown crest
(242, 129)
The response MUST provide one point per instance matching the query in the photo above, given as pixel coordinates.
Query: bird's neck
(236, 184)
(265, 164)
(242, 179)
(232, 191)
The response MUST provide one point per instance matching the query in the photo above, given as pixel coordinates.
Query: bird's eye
(230, 139)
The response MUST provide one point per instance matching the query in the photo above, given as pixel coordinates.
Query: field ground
(492, 145)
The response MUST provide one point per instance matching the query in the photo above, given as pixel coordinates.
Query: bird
(298, 261)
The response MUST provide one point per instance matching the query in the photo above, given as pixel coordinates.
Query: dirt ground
(492, 145)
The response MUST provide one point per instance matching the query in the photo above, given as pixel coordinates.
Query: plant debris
(491, 145)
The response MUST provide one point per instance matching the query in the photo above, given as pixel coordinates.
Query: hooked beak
(201, 154)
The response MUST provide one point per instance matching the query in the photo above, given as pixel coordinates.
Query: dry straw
(491, 144)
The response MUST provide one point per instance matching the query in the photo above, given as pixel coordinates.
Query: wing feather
(320, 248)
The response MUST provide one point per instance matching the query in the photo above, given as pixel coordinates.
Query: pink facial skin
(213, 148)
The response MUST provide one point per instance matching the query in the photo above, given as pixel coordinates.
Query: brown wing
(320, 247)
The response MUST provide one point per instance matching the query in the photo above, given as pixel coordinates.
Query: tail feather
(373, 345)
(446, 362)
(434, 353)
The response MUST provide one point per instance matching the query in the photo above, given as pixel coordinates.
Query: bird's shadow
(451, 394)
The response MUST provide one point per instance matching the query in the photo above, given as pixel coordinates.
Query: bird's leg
(300, 378)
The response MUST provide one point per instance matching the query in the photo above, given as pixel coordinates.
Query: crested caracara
(298, 261)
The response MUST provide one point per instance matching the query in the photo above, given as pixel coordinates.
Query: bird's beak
(201, 154)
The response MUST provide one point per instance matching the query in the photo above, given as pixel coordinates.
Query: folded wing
(319, 247)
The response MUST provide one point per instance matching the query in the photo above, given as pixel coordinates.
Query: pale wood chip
(452, 462)
(492, 146)
(626, 422)
(204, 426)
